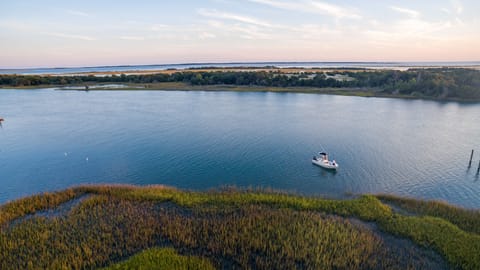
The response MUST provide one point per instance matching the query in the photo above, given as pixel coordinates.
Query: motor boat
(322, 161)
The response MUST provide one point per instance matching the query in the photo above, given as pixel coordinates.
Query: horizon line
(242, 62)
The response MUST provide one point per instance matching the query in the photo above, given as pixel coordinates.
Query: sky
(58, 33)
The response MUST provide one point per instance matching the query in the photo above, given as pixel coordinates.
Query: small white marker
(66, 154)
(86, 159)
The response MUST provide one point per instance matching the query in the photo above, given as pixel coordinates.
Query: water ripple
(200, 140)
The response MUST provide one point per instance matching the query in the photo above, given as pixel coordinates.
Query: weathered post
(478, 169)
(470, 162)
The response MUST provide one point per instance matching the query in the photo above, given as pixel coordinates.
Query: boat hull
(325, 165)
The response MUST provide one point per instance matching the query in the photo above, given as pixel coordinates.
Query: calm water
(198, 140)
(375, 65)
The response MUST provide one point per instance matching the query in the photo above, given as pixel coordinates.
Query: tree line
(435, 82)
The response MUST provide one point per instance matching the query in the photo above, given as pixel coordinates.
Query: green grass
(366, 207)
(434, 233)
(466, 219)
(29, 205)
(161, 258)
(458, 247)
(246, 229)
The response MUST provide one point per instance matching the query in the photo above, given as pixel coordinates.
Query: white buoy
(86, 159)
(66, 154)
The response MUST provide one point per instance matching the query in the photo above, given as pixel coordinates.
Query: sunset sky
(53, 33)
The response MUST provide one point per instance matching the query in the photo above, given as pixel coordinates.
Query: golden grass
(242, 228)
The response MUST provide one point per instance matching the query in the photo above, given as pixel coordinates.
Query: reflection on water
(200, 140)
(100, 87)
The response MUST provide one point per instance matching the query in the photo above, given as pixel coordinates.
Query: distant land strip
(448, 83)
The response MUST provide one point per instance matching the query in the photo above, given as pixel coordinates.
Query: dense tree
(437, 83)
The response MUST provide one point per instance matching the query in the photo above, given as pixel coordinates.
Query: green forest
(436, 83)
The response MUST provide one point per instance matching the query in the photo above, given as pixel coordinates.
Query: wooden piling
(470, 162)
(478, 169)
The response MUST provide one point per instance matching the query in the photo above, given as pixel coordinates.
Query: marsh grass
(232, 228)
(457, 246)
(466, 219)
(162, 258)
(32, 204)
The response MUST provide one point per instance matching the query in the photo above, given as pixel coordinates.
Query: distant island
(133, 227)
(448, 83)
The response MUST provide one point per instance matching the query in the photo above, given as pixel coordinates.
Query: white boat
(322, 161)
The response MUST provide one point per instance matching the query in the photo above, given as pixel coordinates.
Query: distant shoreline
(440, 84)
(357, 92)
(155, 68)
(251, 69)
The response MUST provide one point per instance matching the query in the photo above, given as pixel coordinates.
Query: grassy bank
(180, 86)
(342, 91)
(466, 219)
(233, 228)
(161, 258)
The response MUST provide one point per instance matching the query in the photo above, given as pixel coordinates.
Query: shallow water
(200, 140)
